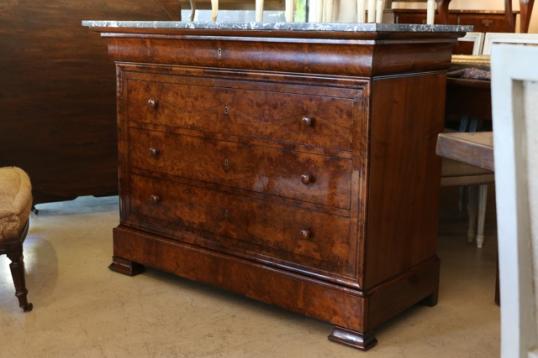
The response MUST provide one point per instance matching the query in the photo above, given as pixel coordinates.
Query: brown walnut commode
(295, 167)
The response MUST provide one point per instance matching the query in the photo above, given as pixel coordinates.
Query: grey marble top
(286, 26)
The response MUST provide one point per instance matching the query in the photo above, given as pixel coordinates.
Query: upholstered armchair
(15, 206)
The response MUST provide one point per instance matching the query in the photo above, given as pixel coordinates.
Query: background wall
(57, 106)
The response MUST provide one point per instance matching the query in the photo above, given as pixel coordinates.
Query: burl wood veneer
(297, 168)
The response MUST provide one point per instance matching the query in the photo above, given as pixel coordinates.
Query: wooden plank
(471, 148)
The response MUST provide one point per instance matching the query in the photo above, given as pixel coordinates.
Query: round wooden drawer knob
(155, 198)
(307, 179)
(152, 103)
(306, 234)
(308, 121)
(154, 152)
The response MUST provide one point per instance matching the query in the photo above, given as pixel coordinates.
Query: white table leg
(361, 11)
(471, 212)
(193, 9)
(289, 11)
(482, 206)
(371, 10)
(430, 14)
(214, 10)
(316, 11)
(259, 10)
(328, 11)
(380, 8)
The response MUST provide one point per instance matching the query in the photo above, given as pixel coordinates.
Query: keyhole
(219, 52)
(226, 164)
(226, 109)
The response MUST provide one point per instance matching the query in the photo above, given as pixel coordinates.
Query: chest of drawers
(296, 168)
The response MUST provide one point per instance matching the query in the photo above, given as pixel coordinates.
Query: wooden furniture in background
(469, 109)
(482, 20)
(429, 12)
(471, 148)
(300, 169)
(468, 97)
(471, 44)
(515, 122)
(526, 7)
(56, 99)
(474, 181)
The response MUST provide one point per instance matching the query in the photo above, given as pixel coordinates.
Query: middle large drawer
(313, 178)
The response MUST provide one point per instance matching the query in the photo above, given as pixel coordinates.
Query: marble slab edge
(280, 26)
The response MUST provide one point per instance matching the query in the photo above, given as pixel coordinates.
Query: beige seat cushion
(15, 201)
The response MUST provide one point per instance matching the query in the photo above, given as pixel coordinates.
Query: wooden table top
(470, 148)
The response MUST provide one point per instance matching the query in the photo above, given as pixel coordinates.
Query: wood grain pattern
(247, 109)
(257, 168)
(225, 221)
(310, 53)
(470, 148)
(468, 97)
(404, 175)
(483, 21)
(57, 93)
(229, 204)
(314, 298)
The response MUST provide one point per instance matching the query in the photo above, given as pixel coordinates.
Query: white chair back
(477, 38)
(515, 128)
(507, 38)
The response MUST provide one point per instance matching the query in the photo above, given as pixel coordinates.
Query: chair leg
(471, 212)
(461, 200)
(14, 253)
(482, 206)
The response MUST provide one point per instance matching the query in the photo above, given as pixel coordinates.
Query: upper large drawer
(246, 108)
(307, 177)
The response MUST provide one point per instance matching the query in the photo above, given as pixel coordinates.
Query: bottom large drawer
(249, 226)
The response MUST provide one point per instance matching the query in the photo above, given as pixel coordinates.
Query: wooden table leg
(525, 8)
(442, 9)
(497, 292)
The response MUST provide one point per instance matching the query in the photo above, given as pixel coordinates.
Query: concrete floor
(81, 309)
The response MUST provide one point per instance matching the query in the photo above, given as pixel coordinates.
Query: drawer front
(319, 121)
(307, 177)
(243, 224)
(485, 23)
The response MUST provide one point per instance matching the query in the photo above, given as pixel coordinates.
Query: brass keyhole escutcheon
(219, 52)
(226, 109)
(226, 165)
